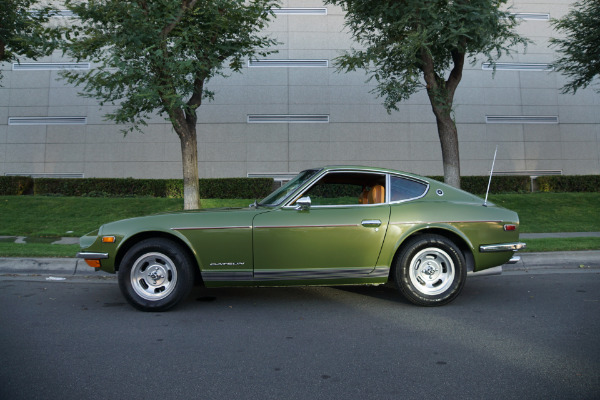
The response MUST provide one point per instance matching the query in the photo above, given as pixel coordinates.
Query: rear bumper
(495, 248)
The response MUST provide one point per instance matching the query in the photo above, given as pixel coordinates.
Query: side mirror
(303, 203)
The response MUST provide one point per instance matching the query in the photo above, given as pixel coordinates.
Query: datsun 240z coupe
(327, 226)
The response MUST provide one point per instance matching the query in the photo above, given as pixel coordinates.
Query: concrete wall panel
(360, 131)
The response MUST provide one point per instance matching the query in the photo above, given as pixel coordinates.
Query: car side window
(342, 188)
(406, 189)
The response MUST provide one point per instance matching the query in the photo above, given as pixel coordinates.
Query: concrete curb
(48, 266)
(557, 259)
(77, 267)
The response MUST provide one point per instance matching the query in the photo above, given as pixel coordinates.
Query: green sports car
(337, 225)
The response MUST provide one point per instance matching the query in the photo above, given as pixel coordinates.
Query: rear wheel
(156, 274)
(430, 270)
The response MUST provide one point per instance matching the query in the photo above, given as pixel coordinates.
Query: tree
(580, 48)
(157, 56)
(409, 45)
(23, 30)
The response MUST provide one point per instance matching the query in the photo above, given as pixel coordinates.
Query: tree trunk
(449, 141)
(189, 160)
(441, 97)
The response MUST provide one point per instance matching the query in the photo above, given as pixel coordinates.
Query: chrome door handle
(371, 223)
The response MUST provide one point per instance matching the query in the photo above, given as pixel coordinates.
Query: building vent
(277, 176)
(300, 11)
(49, 66)
(517, 67)
(532, 16)
(521, 119)
(288, 118)
(47, 120)
(56, 13)
(46, 175)
(288, 63)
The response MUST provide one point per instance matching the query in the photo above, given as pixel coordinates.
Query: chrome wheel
(431, 271)
(153, 276)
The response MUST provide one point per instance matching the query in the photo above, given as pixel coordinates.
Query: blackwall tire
(430, 270)
(156, 274)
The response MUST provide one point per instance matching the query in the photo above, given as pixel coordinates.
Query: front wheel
(156, 274)
(430, 270)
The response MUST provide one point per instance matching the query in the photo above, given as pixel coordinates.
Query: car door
(323, 241)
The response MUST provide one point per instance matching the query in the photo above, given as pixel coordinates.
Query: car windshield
(279, 195)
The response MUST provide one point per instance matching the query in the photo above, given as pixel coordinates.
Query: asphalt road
(515, 336)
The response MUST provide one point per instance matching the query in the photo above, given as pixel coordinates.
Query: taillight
(510, 227)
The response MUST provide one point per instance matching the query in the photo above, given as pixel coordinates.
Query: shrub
(500, 183)
(15, 185)
(113, 187)
(235, 188)
(569, 183)
(225, 188)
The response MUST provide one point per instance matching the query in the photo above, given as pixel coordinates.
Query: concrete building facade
(293, 111)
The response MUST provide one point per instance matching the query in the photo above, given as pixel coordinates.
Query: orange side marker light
(93, 263)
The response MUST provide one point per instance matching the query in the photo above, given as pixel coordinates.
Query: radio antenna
(490, 181)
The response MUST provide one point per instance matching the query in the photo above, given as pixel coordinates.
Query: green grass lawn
(76, 216)
(39, 216)
(554, 212)
(562, 244)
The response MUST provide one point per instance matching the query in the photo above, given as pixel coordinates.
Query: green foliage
(569, 183)
(235, 188)
(579, 49)
(500, 184)
(23, 32)
(212, 188)
(101, 187)
(15, 185)
(409, 45)
(398, 39)
(158, 55)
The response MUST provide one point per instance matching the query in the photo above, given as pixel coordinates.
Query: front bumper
(88, 255)
(92, 259)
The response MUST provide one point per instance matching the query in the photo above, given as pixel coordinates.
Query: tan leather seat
(377, 195)
(364, 197)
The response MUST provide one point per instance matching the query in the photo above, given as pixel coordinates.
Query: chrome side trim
(442, 222)
(493, 248)
(208, 228)
(306, 226)
(380, 272)
(92, 256)
(274, 275)
(233, 276)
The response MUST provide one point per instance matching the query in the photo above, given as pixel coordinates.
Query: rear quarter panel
(470, 224)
